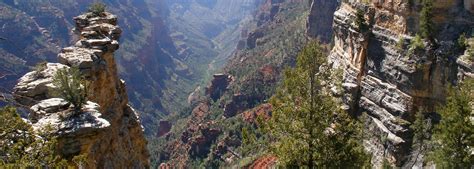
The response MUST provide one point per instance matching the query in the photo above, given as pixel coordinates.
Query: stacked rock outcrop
(107, 130)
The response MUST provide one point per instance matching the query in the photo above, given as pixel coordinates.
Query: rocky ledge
(386, 80)
(107, 129)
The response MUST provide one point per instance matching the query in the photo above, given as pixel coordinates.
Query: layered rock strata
(107, 129)
(386, 79)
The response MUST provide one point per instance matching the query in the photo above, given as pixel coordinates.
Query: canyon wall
(320, 19)
(388, 80)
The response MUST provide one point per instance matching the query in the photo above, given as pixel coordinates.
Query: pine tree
(22, 147)
(309, 128)
(427, 28)
(453, 137)
(421, 133)
(71, 87)
(361, 22)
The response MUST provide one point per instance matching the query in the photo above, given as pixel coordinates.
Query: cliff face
(107, 130)
(389, 82)
(320, 19)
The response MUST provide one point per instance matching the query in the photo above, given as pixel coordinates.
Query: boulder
(37, 85)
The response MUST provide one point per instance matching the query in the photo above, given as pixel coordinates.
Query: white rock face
(58, 114)
(36, 85)
(388, 83)
(81, 58)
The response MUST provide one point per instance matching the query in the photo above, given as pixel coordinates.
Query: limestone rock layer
(386, 80)
(108, 129)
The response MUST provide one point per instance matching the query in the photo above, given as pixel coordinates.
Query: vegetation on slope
(453, 137)
(309, 127)
(21, 146)
(256, 73)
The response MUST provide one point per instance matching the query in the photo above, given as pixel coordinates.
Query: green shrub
(71, 87)
(97, 8)
(417, 43)
(360, 21)
(462, 42)
(41, 66)
(22, 147)
(400, 42)
(470, 55)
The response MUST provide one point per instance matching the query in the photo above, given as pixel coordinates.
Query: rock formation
(387, 80)
(195, 141)
(164, 128)
(320, 18)
(108, 129)
(218, 86)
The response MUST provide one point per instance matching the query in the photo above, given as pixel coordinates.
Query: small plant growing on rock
(470, 55)
(360, 21)
(80, 160)
(97, 8)
(401, 42)
(41, 66)
(416, 44)
(23, 147)
(71, 87)
(462, 42)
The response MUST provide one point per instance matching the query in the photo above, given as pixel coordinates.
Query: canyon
(165, 51)
(201, 72)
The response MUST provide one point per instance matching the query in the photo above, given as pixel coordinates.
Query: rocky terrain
(386, 80)
(201, 72)
(35, 31)
(107, 130)
(168, 47)
(210, 136)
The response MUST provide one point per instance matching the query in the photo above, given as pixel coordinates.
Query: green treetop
(22, 147)
(71, 87)
(427, 28)
(309, 127)
(453, 137)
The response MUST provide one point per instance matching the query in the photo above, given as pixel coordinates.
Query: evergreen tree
(453, 137)
(249, 141)
(421, 133)
(21, 147)
(427, 28)
(71, 87)
(360, 21)
(309, 127)
(248, 137)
